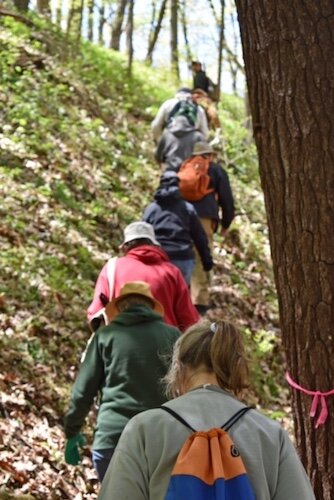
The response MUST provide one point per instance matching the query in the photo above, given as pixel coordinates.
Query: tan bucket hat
(133, 288)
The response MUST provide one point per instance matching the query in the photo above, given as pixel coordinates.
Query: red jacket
(150, 264)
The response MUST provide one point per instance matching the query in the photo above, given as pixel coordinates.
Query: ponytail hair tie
(213, 327)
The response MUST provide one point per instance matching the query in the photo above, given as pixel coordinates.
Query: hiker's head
(214, 349)
(196, 66)
(184, 93)
(198, 93)
(203, 148)
(133, 293)
(138, 234)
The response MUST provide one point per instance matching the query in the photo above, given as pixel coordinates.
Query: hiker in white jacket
(160, 121)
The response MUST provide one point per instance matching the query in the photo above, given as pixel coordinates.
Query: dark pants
(101, 459)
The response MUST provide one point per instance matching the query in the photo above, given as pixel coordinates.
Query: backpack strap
(227, 426)
(231, 421)
(177, 416)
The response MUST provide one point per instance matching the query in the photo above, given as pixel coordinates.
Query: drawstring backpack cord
(316, 396)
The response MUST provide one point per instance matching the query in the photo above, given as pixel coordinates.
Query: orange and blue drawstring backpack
(209, 465)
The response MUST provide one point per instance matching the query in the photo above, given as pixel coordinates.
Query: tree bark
(288, 52)
(116, 28)
(174, 38)
(155, 34)
(21, 5)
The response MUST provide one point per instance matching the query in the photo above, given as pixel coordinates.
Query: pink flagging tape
(317, 396)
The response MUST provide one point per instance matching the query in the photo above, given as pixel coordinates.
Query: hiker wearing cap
(144, 260)
(164, 114)
(177, 227)
(216, 208)
(123, 364)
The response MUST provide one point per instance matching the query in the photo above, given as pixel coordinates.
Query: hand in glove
(72, 453)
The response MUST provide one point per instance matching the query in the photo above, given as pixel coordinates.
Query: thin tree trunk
(185, 31)
(102, 20)
(116, 27)
(90, 20)
(288, 54)
(21, 4)
(155, 35)
(221, 44)
(174, 38)
(74, 20)
(129, 35)
(43, 7)
(58, 18)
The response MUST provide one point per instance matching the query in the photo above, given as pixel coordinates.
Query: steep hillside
(76, 165)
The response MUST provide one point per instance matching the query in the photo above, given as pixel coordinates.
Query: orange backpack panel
(194, 178)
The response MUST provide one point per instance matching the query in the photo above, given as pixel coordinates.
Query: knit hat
(133, 288)
(139, 230)
(202, 148)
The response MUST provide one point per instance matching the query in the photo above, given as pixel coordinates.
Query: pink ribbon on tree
(317, 397)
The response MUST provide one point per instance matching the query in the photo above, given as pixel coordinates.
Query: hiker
(177, 227)
(201, 98)
(144, 260)
(168, 108)
(124, 363)
(208, 370)
(200, 79)
(219, 197)
(177, 142)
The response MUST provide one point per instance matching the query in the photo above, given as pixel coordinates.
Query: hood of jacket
(148, 254)
(136, 314)
(180, 126)
(167, 195)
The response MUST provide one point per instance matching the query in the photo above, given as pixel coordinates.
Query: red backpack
(194, 178)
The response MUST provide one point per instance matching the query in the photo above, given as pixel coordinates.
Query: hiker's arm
(225, 197)
(292, 481)
(159, 152)
(185, 312)
(85, 388)
(200, 239)
(127, 474)
(101, 287)
(158, 123)
(202, 122)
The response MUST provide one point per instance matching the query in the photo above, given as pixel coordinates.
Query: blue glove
(72, 453)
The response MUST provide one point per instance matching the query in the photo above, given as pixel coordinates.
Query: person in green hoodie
(124, 363)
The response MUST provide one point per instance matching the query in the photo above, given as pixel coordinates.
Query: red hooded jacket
(150, 264)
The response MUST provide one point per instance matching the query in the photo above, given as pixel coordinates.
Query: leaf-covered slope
(76, 166)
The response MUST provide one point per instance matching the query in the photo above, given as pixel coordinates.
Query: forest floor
(76, 165)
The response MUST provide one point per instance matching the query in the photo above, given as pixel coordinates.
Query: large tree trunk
(174, 38)
(288, 52)
(116, 28)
